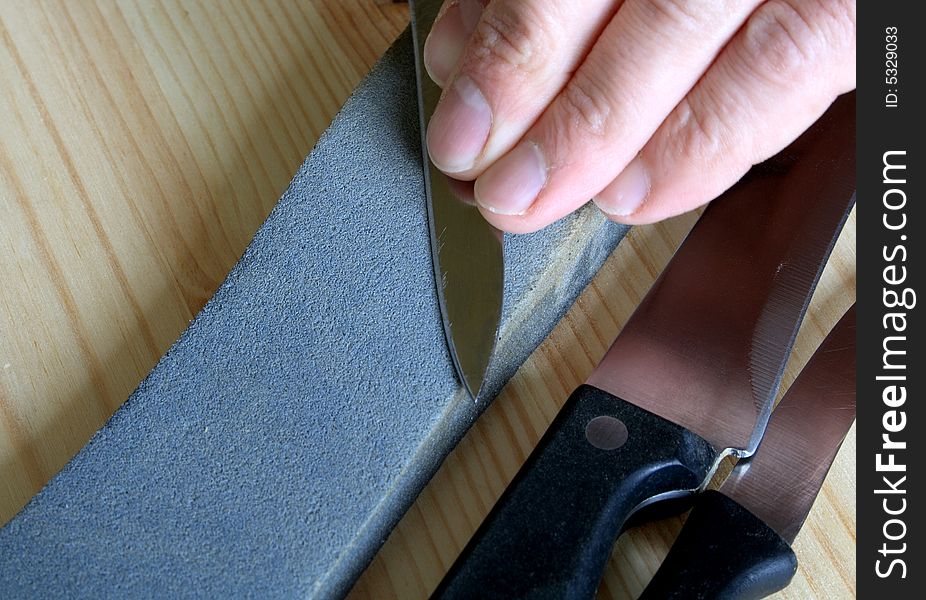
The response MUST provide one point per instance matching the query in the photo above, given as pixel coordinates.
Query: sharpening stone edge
(276, 444)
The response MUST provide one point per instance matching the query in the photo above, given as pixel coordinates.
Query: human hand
(649, 107)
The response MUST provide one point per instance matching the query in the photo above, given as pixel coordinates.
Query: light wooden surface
(141, 145)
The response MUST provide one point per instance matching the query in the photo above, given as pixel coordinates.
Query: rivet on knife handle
(692, 376)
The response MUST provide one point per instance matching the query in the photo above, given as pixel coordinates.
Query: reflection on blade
(780, 483)
(466, 250)
(712, 365)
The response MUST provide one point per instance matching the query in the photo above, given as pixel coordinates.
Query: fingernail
(444, 45)
(511, 185)
(626, 194)
(459, 127)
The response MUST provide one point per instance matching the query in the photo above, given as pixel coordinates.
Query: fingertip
(459, 128)
(635, 219)
(433, 64)
(516, 224)
(444, 45)
(627, 194)
(449, 34)
(511, 185)
(647, 192)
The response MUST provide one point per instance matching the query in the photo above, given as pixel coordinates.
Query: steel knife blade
(467, 252)
(690, 379)
(736, 542)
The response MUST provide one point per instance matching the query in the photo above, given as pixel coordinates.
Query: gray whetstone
(277, 443)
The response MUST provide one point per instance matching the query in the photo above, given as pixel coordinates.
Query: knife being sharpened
(736, 542)
(466, 250)
(690, 379)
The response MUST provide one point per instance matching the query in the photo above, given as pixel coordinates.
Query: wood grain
(141, 145)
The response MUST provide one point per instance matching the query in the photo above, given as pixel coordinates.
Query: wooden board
(141, 145)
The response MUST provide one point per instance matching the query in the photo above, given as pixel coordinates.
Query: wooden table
(141, 145)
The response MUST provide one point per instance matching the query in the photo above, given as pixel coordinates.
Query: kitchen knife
(466, 251)
(736, 542)
(690, 379)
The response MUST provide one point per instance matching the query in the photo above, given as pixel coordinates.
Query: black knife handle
(723, 552)
(552, 531)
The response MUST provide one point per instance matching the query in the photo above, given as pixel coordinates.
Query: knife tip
(473, 387)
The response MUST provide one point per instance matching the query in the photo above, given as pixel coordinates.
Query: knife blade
(690, 379)
(736, 542)
(467, 252)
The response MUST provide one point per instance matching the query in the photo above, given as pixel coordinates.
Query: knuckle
(835, 21)
(694, 134)
(586, 105)
(514, 39)
(786, 40)
(681, 17)
(682, 14)
(778, 43)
